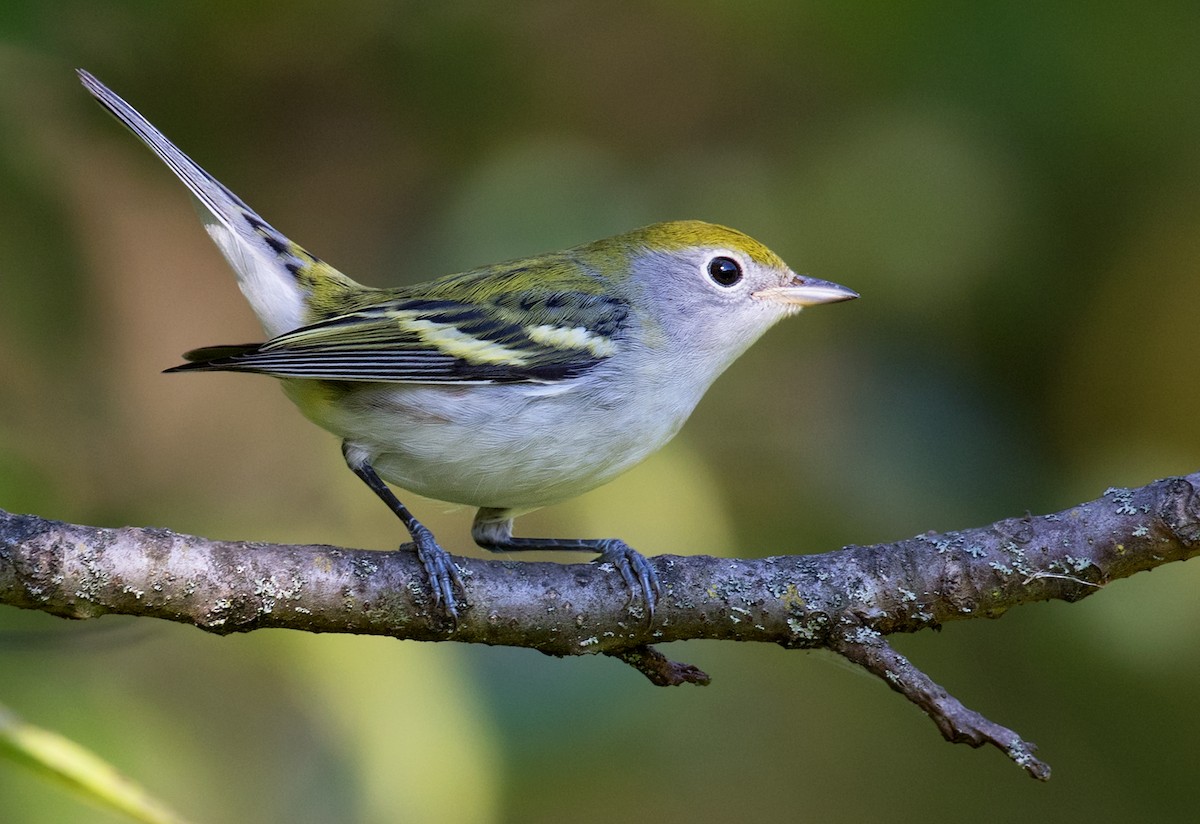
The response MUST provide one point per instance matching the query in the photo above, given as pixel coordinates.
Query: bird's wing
(435, 340)
(274, 273)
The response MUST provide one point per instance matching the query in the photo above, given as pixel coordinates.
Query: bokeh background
(1012, 189)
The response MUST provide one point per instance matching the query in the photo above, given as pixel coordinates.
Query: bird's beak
(806, 291)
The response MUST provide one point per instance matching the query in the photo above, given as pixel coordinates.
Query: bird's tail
(278, 277)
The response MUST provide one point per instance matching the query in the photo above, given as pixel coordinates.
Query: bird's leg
(439, 569)
(492, 530)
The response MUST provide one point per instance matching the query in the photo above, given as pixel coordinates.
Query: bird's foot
(440, 570)
(636, 571)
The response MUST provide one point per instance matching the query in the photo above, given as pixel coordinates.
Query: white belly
(504, 446)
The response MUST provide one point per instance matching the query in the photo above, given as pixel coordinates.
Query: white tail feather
(257, 252)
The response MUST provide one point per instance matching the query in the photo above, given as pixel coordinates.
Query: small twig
(661, 671)
(957, 724)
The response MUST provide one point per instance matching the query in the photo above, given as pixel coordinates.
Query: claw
(440, 571)
(637, 572)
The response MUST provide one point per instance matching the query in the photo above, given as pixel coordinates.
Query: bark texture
(845, 601)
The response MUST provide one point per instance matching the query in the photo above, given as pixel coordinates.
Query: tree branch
(844, 601)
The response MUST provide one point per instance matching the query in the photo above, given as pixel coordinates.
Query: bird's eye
(724, 271)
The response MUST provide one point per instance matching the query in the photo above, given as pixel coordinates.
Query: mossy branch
(844, 601)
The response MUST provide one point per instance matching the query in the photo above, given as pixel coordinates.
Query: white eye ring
(724, 270)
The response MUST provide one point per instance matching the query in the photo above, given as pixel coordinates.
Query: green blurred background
(1012, 190)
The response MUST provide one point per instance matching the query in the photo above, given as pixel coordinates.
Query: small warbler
(507, 387)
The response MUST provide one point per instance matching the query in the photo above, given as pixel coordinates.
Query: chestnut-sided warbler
(507, 387)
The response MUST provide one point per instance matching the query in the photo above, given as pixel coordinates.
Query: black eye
(725, 271)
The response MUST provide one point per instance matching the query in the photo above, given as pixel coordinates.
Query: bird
(508, 387)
